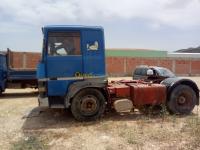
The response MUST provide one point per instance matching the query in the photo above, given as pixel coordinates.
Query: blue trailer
(15, 78)
(71, 74)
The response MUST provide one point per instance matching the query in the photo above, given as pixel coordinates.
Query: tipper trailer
(71, 74)
(15, 77)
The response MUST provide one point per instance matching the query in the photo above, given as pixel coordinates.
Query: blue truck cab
(73, 61)
(71, 74)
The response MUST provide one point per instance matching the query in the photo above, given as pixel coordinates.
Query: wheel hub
(181, 100)
(88, 104)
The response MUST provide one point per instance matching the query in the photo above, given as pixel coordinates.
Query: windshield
(165, 72)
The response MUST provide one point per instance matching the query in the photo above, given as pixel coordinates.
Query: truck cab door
(94, 53)
(64, 60)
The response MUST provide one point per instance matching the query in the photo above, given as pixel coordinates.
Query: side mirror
(150, 72)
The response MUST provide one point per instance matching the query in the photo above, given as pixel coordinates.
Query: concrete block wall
(122, 66)
(119, 66)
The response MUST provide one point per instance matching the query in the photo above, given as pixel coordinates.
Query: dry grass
(25, 126)
(29, 143)
(192, 126)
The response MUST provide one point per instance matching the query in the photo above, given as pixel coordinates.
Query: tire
(88, 105)
(182, 100)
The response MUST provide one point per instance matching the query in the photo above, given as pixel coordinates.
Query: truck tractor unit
(15, 77)
(71, 74)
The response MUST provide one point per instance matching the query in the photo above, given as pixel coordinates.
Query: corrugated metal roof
(184, 55)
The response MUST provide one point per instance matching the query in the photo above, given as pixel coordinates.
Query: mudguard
(171, 83)
(80, 85)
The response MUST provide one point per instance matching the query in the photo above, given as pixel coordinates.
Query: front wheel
(182, 100)
(89, 104)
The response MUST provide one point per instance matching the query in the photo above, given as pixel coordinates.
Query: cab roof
(71, 27)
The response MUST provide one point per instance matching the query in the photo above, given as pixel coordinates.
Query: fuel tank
(144, 94)
(139, 93)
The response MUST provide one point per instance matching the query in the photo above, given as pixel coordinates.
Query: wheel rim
(184, 100)
(88, 105)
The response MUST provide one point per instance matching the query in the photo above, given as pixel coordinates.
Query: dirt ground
(23, 125)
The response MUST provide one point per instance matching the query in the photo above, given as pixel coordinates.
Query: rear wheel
(182, 100)
(88, 104)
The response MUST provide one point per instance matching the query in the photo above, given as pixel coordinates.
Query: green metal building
(135, 53)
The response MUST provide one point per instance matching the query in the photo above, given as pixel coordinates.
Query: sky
(147, 24)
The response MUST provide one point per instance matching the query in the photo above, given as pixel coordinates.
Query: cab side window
(64, 43)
